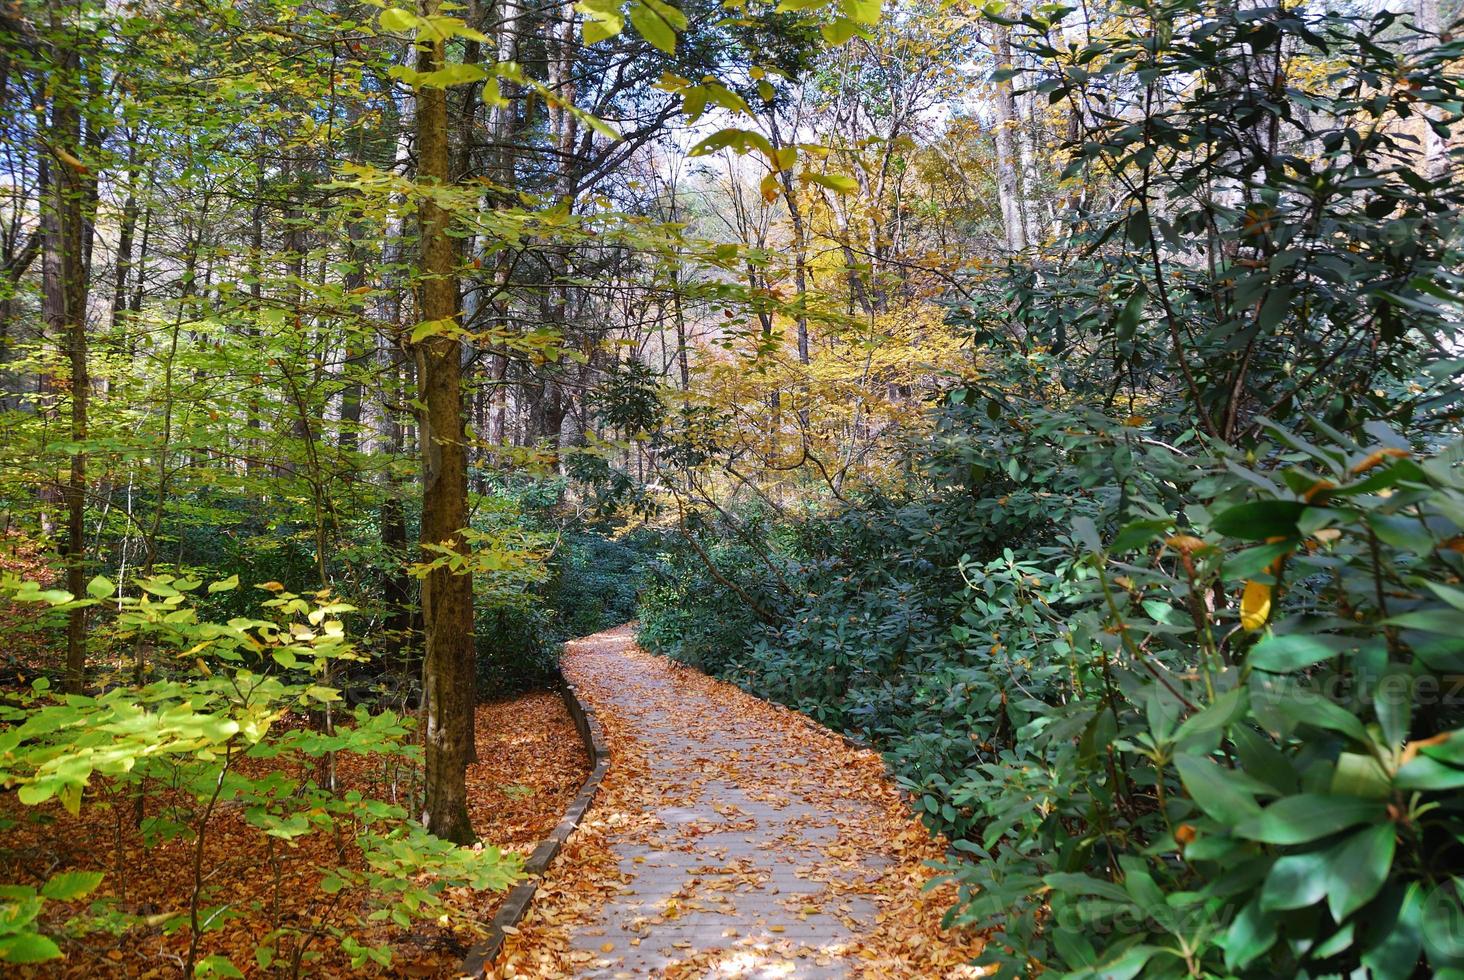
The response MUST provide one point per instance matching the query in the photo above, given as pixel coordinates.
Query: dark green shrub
(687, 614)
(599, 578)
(1254, 767)
(517, 651)
(1144, 781)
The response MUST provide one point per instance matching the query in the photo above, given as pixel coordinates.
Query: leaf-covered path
(732, 838)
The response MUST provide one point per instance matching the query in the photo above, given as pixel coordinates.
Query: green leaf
(1260, 758)
(1359, 774)
(668, 12)
(1252, 561)
(838, 183)
(1080, 884)
(1275, 307)
(1357, 868)
(602, 19)
(450, 75)
(1302, 818)
(1449, 594)
(398, 21)
(1073, 947)
(38, 792)
(69, 885)
(1086, 534)
(1127, 322)
(218, 966)
(1291, 651)
(1260, 519)
(100, 587)
(1221, 793)
(1295, 881)
(1449, 622)
(1309, 707)
(1135, 534)
(1395, 935)
(28, 947)
(1443, 924)
(225, 584)
(741, 140)
(1125, 966)
(1393, 705)
(433, 328)
(1251, 934)
(1403, 533)
(1427, 773)
(1212, 717)
(653, 27)
(840, 30)
(1450, 749)
(1337, 943)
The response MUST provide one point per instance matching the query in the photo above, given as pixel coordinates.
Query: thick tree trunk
(447, 598)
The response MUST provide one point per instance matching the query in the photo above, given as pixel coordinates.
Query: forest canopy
(1062, 400)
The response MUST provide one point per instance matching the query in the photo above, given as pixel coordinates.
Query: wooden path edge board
(516, 906)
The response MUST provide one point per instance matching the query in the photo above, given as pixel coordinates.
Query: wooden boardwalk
(733, 838)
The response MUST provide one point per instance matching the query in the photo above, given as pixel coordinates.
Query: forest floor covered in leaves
(732, 838)
(532, 763)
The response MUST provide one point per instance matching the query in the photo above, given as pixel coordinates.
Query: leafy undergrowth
(27, 646)
(906, 940)
(532, 765)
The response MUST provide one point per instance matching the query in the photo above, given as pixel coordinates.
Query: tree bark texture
(447, 597)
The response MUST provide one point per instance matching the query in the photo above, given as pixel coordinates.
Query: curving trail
(731, 838)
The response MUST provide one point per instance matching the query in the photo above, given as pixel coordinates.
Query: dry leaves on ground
(532, 765)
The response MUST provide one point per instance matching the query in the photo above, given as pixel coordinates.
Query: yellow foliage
(844, 418)
(1255, 605)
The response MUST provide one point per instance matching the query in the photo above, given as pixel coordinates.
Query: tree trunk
(1435, 151)
(64, 277)
(447, 598)
(356, 357)
(125, 234)
(1008, 160)
(800, 243)
(13, 267)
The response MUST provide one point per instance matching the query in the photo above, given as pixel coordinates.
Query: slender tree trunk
(683, 358)
(125, 234)
(1008, 159)
(503, 125)
(13, 268)
(253, 420)
(800, 244)
(357, 355)
(1435, 151)
(447, 598)
(138, 272)
(64, 277)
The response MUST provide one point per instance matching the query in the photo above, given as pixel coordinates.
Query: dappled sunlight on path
(732, 838)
